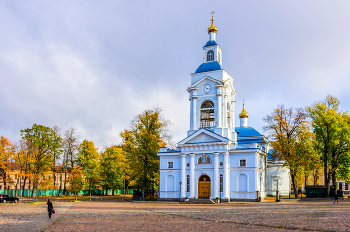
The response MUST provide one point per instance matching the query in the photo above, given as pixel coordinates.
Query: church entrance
(204, 186)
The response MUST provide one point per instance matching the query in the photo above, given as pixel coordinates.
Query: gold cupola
(212, 28)
(244, 113)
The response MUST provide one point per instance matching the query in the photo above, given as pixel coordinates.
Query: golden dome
(244, 113)
(212, 28)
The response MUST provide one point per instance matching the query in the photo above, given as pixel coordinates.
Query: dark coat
(336, 196)
(49, 206)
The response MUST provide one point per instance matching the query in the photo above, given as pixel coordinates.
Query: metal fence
(54, 192)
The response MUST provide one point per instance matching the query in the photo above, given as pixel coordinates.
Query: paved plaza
(120, 215)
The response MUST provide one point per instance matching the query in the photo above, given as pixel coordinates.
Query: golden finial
(212, 28)
(244, 113)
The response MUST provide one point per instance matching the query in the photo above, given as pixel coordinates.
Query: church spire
(243, 116)
(212, 30)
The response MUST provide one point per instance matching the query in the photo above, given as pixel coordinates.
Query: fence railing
(54, 192)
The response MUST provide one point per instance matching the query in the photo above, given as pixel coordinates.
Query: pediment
(203, 136)
(206, 78)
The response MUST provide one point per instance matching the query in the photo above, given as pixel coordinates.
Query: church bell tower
(212, 94)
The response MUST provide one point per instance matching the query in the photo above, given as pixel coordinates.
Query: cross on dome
(212, 28)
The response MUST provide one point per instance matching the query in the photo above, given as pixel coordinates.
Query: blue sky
(95, 65)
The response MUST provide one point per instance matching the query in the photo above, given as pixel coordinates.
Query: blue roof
(246, 131)
(210, 66)
(210, 43)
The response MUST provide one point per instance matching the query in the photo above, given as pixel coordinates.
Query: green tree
(112, 166)
(332, 132)
(141, 143)
(88, 158)
(76, 180)
(44, 140)
(291, 141)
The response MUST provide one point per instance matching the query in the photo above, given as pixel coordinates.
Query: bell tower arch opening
(207, 114)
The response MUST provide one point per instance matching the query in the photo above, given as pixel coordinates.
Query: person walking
(49, 207)
(335, 197)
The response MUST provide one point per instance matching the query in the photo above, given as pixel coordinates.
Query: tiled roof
(210, 66)
(246, 131)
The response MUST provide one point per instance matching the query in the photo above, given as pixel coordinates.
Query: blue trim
(210, 43)
(210, 66)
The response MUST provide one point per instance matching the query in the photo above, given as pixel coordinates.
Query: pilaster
(183, 175)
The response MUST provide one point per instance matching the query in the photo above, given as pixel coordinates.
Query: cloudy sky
(95, 65)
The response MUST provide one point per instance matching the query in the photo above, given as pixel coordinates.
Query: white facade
(217, 159)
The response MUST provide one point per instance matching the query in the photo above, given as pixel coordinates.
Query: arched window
(204, 159)
(207, 114)
(221, 183)
(188, 183)
(228, 115)
(210, 55)
(219, 57)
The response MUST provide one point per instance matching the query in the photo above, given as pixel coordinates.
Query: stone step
(200, 201)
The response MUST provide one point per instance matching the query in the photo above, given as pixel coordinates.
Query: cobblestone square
(119, 215)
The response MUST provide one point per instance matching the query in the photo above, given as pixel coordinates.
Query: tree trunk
(295, 186)
(16, 187)
(24, 186)
(326, 177)
(334, 181)
(65, 183)
(113, 192)
(75, 195)
(90, 188)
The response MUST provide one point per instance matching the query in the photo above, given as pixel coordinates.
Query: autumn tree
(6, 155)
(88, 159)
(56, 152)
(70, 147)
(290, 139)
(44, 140)
(332, 132)
(141, 143)
(112, 166)
(24, 160)
(76, 180)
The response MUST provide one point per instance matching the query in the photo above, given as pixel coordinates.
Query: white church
(218, 159)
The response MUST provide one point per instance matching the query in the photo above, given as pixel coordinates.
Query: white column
(194, 112)
(224, 111)
(216, 175)
(191, 114)
(192, 164)
(226, 176)
(183, 175)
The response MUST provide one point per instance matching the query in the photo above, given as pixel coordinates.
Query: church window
(207, 114)
(221, 183)
(210, 55)
(228, 115)
(170, 164)
(188, 183)
(204, 159)
(219, 57)
(242, 163)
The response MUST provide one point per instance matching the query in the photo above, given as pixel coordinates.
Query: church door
(204, 187)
